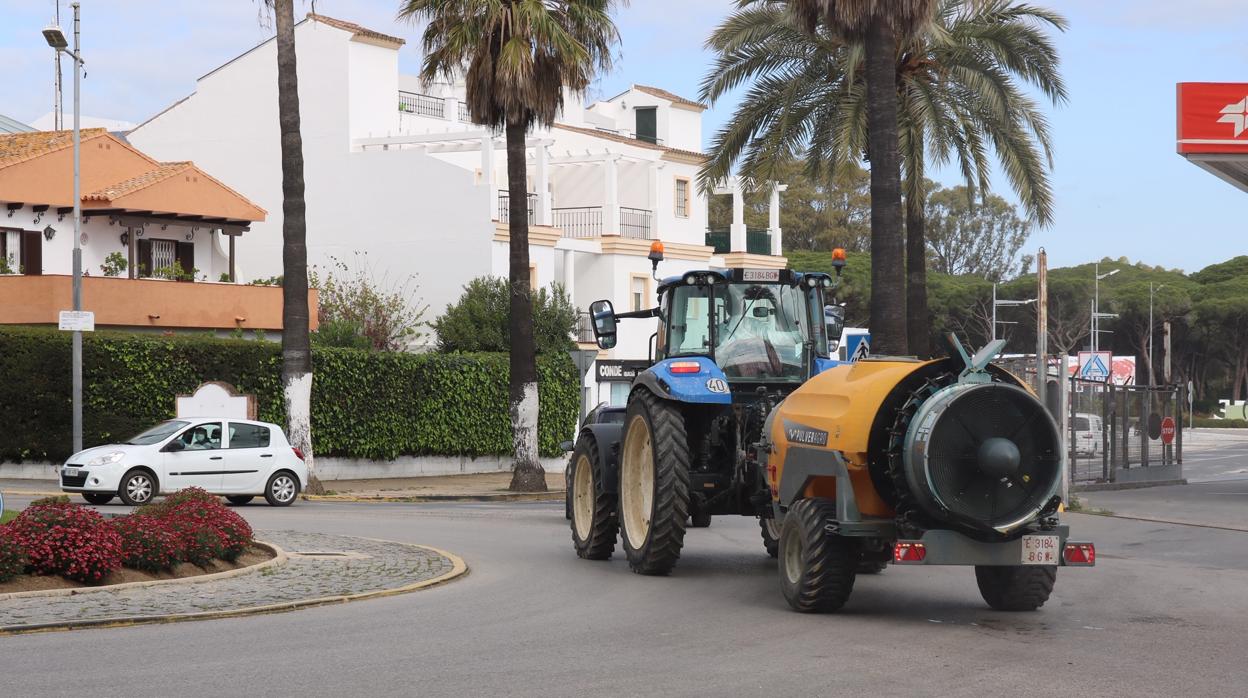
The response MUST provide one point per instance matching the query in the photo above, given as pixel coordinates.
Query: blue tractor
(730, 346)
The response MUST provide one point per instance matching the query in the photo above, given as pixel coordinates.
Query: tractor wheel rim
(139, 488)
(793, 561)
(583, 497)
(637, 482)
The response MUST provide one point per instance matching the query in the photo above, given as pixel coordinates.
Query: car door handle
(215, 458)
(266, 455)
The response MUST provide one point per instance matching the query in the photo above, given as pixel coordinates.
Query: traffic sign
(1095, 365)
(1167, 430)
(857, 347)
(77, 320)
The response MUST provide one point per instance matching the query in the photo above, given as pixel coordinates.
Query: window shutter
(32, 253)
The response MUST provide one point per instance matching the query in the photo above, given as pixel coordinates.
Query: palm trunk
(527, 473)
(918, 324)
(296, 347)
(888, 281)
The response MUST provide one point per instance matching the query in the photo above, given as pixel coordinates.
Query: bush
(203, 527)
(12, 556)
(72, 541)
(364, 404)
(477, 322)
(343, 334)
(387, 316)
(147, 544)
(1210, 423)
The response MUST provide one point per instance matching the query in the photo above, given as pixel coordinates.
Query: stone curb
(1117, 486)
(279, 558)
(554, 496)
(459, 568)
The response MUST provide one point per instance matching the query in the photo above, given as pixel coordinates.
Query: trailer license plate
(1041, 550)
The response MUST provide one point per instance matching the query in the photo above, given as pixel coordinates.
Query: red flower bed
(12, 556)
(72, 541)
(204, 527)
(147, 543)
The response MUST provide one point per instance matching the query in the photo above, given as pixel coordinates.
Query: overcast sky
(1121, 189)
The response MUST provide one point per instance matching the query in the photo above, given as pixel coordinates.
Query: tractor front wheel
(654, 484)
(594, 526)
(817, 569)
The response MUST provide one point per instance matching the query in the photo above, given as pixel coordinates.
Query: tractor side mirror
(834, 318)
(603, 314)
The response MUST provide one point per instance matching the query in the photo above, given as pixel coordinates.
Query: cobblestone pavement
(369, 566)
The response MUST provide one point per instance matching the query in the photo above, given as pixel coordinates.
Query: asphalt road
(1164, 613)
(1211, 455)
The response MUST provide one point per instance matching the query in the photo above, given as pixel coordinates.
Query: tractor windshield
(754, 331)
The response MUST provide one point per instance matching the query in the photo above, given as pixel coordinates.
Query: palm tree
(957, 95)
(516, 57)
(296, 347)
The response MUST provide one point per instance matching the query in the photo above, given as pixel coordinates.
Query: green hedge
(364, 404)
(1210, 423)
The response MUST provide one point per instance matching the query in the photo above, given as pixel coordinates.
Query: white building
(394, 168)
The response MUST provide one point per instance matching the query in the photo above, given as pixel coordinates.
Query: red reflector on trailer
(684, 367)
(1080, 554)
(909, 551)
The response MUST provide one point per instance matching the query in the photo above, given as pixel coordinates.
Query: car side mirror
(603, 314)
(174, 446)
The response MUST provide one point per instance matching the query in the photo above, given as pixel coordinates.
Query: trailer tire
(700, 519)
(817, 569)
(592, 507)
(654, 484)
(1016, 588)
(771, 536)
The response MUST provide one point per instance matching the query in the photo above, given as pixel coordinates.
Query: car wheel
(98, 497)
(282, 489)
(137, 488)
(239, 499)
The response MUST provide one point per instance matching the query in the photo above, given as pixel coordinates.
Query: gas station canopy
(1213, 128)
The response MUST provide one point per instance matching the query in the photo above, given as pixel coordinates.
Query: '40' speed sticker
(717, 385)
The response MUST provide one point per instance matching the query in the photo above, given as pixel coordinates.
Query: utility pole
(1042, 325)
(77, 378)
(58, 108)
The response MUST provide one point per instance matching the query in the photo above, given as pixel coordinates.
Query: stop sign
(1167, 430)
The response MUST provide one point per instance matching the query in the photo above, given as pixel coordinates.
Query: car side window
(201, 437)
(248, 436)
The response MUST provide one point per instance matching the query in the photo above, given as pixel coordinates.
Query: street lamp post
(1151, 291)
(1096, 304)
(56, 39)
(1004, 304)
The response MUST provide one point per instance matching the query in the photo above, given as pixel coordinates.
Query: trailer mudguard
(707, 386)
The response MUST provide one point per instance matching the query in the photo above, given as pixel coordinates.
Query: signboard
(1212, 117)
(857, 347)
(77, 320)
(619, 370)
(216, 399)
(1095, 365)
(1167, 430)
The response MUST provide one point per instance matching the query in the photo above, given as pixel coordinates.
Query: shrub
(203, 527)
(72, 541)
(1210, 423)
(147, 543)
(387, 315)
(54, 499)
(12, 556)
(478, 320)
(114, 264)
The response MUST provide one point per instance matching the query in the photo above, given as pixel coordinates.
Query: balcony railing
(584, 331)
(425, 105)
(757, 240)
(636, 222)
(629, 134)
(504, 207)
(464, 115)
(579, 222)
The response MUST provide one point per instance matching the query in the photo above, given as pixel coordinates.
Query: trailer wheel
(771, 536)
(594, 526)
(1021, 588)
(700, 519)
(654, 484)
(817, 569)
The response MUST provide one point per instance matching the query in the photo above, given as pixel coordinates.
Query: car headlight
(106, 459)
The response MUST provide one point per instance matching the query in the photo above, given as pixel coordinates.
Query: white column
(542, 214)
(569, 274)
(737, 230)
(450, 108)
(487, 175)
(773, 217)
(658, 194)
(611, 196)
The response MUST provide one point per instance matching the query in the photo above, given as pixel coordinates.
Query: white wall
(373, 86)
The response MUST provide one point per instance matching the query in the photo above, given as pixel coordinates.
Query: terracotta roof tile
(630, 141)
(669, 96)
(354, 28)
(120, 189)
(19, 147)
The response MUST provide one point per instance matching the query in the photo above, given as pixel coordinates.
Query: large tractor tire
(594, 525)
(654, 484)
(771, 536)
(817, 569)
(1023, 588)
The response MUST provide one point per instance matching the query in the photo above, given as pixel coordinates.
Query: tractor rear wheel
(817, 569)
(594, 525)
(1016, 588)
(771, 536)
(654, 484)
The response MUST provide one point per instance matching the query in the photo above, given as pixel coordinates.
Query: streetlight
(56, 39)
(1096, 305)
(1004, 304)
(1151, 291)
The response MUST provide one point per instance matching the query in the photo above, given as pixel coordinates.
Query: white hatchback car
(236, 458)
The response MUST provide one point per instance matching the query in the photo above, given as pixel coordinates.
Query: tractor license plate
(760, 275)
(1041, 550)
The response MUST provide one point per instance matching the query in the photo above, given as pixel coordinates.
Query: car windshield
(157, 433)
(754, 331)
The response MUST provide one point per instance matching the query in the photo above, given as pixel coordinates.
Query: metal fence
(504, 206)
(1116, 430)
(584, 332)
(426, 105)
(579, 222)
(635, 222)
